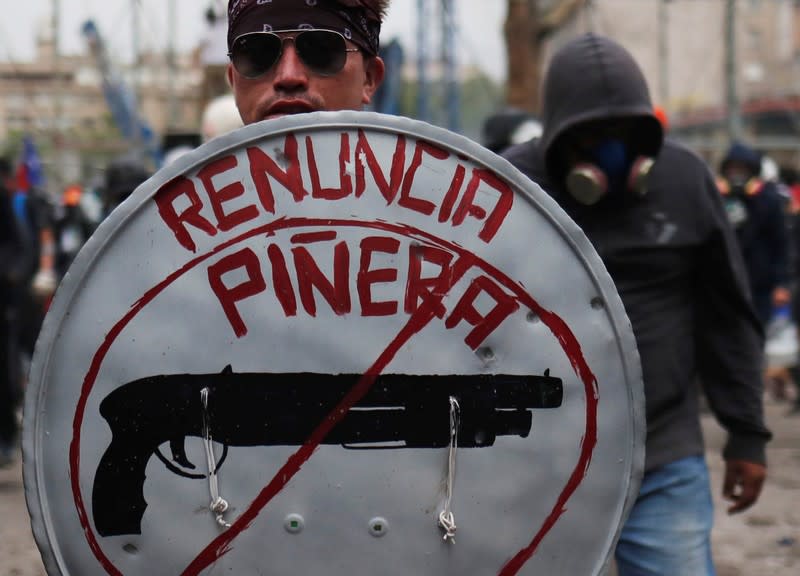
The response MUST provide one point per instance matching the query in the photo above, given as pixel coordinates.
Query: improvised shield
(337, 343)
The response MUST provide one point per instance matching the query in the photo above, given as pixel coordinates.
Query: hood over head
(739, 152)
(508, 127)
(593, 78)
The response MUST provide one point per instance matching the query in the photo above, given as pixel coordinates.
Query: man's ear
(229, 74)
(374, 71)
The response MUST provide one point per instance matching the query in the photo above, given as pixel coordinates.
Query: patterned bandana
(354, 23)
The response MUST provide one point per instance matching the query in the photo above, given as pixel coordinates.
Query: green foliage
(480, 96)
(12, 147)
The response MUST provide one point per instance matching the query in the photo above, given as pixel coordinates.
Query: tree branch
(558, 14)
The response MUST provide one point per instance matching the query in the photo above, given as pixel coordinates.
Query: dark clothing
(71, 228)
(12, 247)
(38, 216)
(123, 176)
(672, 256)
(793, 232)
(762, 239)
(508, 127)
(11, 270)
(756, 211)
(9, 372)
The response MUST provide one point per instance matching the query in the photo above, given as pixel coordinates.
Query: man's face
(580, 142)
(737, 172)
(290, 87)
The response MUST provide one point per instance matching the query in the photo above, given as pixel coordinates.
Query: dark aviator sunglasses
(324, 52)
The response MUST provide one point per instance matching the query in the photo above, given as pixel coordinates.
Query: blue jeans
(669, 530)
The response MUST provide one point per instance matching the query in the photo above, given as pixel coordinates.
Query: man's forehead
(737, 165)
(601, 128)
(376, 8)
(280, 29)
(349, 18)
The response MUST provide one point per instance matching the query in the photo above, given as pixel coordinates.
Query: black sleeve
(779, 243)
(729, 337)
(12, 248)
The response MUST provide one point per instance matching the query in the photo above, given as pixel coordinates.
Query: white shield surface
(302, 346)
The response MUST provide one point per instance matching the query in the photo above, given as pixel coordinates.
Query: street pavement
(763, 541)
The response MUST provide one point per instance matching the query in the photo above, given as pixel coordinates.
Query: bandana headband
(275, 15)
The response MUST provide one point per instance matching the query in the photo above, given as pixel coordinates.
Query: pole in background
(591, 16)
(423, 112)
(58, 104)
(135, 79)
(172, 68)
(452, 92)
(734, 114)
(663, 52)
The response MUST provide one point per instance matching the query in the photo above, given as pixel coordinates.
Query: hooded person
(652, 211)
(508, 127)
(123, 175)
(755, 208)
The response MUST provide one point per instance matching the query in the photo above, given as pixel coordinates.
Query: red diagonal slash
(424, 314)
(418, 320)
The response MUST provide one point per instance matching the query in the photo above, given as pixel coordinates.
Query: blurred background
(95, 95)
(89, 81)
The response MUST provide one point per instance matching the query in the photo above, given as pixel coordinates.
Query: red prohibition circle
(417, 321)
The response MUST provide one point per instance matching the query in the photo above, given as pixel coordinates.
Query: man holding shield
(295, 56)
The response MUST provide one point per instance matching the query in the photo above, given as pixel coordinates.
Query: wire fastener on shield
(218, 504)
(446, 520)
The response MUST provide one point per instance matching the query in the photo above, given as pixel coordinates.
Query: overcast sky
(479, 41)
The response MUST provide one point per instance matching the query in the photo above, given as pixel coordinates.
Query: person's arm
(730, 354)
(776, 228)
(45, 280)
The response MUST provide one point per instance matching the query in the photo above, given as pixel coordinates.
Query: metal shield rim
(35, 494)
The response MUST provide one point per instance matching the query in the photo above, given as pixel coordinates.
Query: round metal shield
(337, 343)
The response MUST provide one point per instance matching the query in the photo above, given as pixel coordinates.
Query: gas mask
(735, 190)
(609, 171)
(740, 185)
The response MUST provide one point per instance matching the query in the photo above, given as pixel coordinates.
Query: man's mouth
(287, 107)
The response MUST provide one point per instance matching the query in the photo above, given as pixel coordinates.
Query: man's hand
(44, 283)
(743, 482)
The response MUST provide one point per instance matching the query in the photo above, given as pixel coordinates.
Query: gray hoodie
(671, 254)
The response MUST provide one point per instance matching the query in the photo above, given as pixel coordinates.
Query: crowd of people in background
(704, 267)
(40, 235)
(763, 208)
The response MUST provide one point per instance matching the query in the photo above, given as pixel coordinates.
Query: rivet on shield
(486, 354)
(130, 548)
(294, 523)
(597, 303)
(532, 317)
(378, 527)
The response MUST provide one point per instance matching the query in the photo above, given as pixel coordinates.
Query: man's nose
(290, 73)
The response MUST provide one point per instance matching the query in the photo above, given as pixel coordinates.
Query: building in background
(59, 100)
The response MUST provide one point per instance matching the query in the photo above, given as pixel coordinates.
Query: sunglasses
(324, 52)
